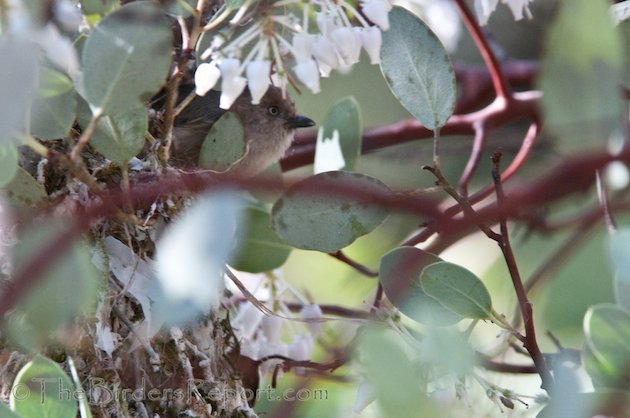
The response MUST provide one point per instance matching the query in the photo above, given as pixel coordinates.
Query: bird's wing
(202, 111)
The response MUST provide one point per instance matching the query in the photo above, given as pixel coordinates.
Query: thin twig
(85, 136)
(339, 255)
(478, 146)
(463, 203)
(603, 201)
(530, 342)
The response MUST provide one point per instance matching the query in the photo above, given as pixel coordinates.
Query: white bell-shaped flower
(302, 347)
(517, 7)
(348, 43)
(324, 52)
(325, 23)
(484, 9)
(371, 39)
(206, 77)
(312, 313)
(258, 79)
(233, 84)
(270, 326)
(302, 46)
(308, 73)
(377, 11)
(247, 321)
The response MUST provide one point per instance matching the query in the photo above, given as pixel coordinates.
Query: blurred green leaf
(580, 73)
(624, 34)
(126, 57)
(176, 7)
(53, 83)
(619, 250)
(457, 289)
(258, 247)
(448, 351)
(400, 277)
(605, 403)
(224, 144)
(48, 391)
(601, 376)
(607, 335)
(121, 137)
(52, 117)
(18, 80)
(344, 117)
(67, 289)
(8, 163)
(23, 189)
(309, 218)
(417, 69)
(5, 412)
(396, 376)
(90, 7)
(55, 106)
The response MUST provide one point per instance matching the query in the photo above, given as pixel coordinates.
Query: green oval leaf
(400, 277)
(305, 217)
(390, 366)
(258, 247)
(457, 289)
(52, 115)
(601, 375)
(342, 124)
(23, 189)
(53, 83)
(126, 57)
(18, 80)
(8, 163)
(89, 7)
(47, 306)
(607, 334)
(417, 69)
(42, 389)
(224, 144)
(54, 109)
(604, 403)
(580, 73)
(5, 412)
(121, 137)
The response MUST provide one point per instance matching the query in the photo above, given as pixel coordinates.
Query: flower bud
(206, 77)
(258, 79)
(308, 73)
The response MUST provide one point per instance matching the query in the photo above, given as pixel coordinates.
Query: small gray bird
(268, 129)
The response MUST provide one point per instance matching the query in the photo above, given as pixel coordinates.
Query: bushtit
(268, 129)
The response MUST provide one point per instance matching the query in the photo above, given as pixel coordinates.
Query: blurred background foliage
(560, 303)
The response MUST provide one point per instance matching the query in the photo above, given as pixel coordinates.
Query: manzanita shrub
(135, 287)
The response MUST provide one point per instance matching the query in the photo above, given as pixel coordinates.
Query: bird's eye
(273, 110)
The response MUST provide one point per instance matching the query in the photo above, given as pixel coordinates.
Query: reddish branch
(499, 82)
(530, 342)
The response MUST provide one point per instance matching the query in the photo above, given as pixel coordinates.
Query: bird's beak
(300, 122)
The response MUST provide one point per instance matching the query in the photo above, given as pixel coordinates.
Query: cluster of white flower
(262, 335)
(485, 8)
(282, 35)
